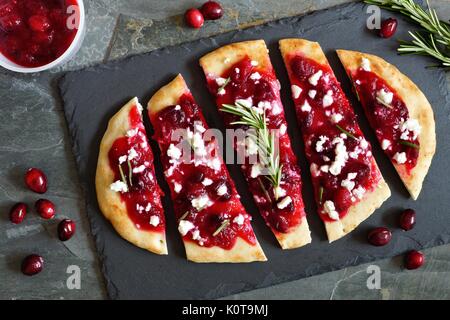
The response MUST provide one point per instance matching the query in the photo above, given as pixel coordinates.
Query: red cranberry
(36, 180)
(66, 229)
(212, 10)
(408, 219)
(39, 23)
(343, 199)
(197, 176)
(10, 22)
(32, 264)
(414, 259)
(45, 208)
(388, 28)
(194, 18)
(379, 236)
(18, 213)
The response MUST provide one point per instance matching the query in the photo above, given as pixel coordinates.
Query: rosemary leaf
(409, 144)
(320, 194)
(130, 173)
(384, 104)
(184, 215)
(346, 132)
(122, 175)
(224, 224)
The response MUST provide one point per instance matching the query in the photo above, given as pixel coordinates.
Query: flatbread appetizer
(127, 191)
(241, 78)
(399, 113)
(347, 182)
(213, 223)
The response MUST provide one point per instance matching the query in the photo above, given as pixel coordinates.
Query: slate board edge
(111, 289)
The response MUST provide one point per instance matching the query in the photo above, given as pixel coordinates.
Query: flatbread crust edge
(371, 201)
(242, 251)
(418, 106)
(109, 201)
(217, 62)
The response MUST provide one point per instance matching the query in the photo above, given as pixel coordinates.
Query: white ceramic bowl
(68, 54)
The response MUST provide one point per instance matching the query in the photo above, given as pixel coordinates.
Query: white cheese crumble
(148, 207)
(185, 226)
(365, 64)
(279, 192)
(222, 190)
(276, 108)
(220, 81)
(154, 221)
(359, 192)
(284, 203)
(139, 169)
(330, 209)
(239, 219)
(283, 129)
(196, 235)
(363, 143)
(306, 107)
(221, 91)
(348, 182)
(410, 125)
(296, 91)
(201, 202)
(245, 102)
(312, 93)
(132, 154)
(119, 186)
(173, 152)
(237, 70)
(400, 157)
(385, 96)
(132, 132)
(328, 99)
(198, 144)
(314, 79)
(340, 158)
(325, 168)
(122, 159)
(207, 182)
(320, 143)
(385, 144)
(177, 187)
(256, 170)
(255, 76)
(336, 117)
(177, 107)
(215, 164)
(251, 148)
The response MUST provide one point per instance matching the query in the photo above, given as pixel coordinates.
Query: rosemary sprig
(320, 195)
(434, 40)
(184, 215)
(130, 173)
(383, 103)
(224, 224)
(122, 175)
(264, 139)
(348, 134)
(222, 87)
(409, 144)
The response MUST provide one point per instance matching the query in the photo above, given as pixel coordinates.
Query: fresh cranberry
(343, 199)
(194, 18)
(197, 176)
(211, 10)
(66, 229)
(379, 236)
(414, 259)
(32, 264)
(45, 208)
(301, 68)
(36, 180)
(18, 213)
(408, 219)
(43, 37)
(388, 28)
(39, 23)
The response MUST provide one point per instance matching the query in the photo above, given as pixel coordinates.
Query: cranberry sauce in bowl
(35, 33)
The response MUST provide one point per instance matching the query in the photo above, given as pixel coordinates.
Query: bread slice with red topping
(127, 191)
(241, 78)
(399, 113)
(213, 223)
(347, 182)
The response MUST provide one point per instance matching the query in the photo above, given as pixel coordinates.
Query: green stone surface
(34, 133)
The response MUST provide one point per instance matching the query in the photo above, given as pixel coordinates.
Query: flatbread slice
(127, 192)
(241, 75)
(399, 113)
(211, 219)
(347, 182)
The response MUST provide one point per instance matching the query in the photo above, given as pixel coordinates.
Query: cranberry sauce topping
(131, 160)
(35, 32)
(205, 200)
(388, 115)
(341, 162)
(282, 207)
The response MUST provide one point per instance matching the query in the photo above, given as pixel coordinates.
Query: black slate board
(93, 95)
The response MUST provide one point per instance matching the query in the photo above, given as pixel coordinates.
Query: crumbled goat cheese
(336, 117)
(385, 96)
(314, 79)
(139, 169)
(239, 219)
(132, 154)
(119, 186)
(296, 91)
(177, 187)
(284, 202)
(255, 76)
(306, 107)
(173, 152)
(185, 226)
(207, 182)
(365, 64)
(328, 99)
(154, 221)
(312, 93)
(222, 190)
(348, 182)
(400, 157)
(320, 143)
(330, 209)
(385, 144)
(201, 202)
